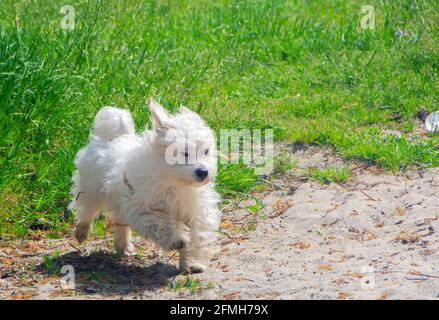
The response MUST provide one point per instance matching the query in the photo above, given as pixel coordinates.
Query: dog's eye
(206, 152)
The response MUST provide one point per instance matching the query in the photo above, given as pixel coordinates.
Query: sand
(373, 237)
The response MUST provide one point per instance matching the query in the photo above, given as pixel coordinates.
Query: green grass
(257, 209)
(189, 283)
(51, 263)
(234, 179)
(329, 175)
(304, 68)
(99, 227)
(282, 164)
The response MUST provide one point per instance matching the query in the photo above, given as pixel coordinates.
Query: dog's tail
(111, 123)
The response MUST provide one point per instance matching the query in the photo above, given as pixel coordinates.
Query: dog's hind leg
(87, 203)
(122, 238)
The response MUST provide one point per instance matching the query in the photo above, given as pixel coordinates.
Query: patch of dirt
(373, 237)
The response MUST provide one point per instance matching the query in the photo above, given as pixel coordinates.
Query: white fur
(128, 176)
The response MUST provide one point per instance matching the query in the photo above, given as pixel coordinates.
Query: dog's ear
(159, 117)
(184, 110)
(188, 111)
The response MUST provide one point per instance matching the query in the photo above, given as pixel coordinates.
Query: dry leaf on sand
(300, 245)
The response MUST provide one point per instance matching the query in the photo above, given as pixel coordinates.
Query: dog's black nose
(201, 173)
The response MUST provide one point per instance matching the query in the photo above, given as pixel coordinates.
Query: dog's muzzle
(201, 174)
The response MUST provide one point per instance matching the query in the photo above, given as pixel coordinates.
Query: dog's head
(185, 144)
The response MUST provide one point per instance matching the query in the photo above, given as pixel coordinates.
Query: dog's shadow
(105, 273)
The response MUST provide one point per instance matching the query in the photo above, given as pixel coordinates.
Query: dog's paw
(81, 232)
(127, 251)
(182, 239)
(178, 244)
(193, 268)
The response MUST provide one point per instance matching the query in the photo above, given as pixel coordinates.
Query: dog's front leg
(195, 254)
(122, 236)
(202, 245)
(189, 261)
(167, 233)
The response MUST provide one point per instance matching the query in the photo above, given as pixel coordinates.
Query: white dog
(135, 180)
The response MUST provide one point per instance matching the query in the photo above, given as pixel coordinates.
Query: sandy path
(374, 237)
(339, 243)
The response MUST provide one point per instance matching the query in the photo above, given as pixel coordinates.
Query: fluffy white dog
(137, 180)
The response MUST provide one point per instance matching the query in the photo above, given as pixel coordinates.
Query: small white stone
(432, 122)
